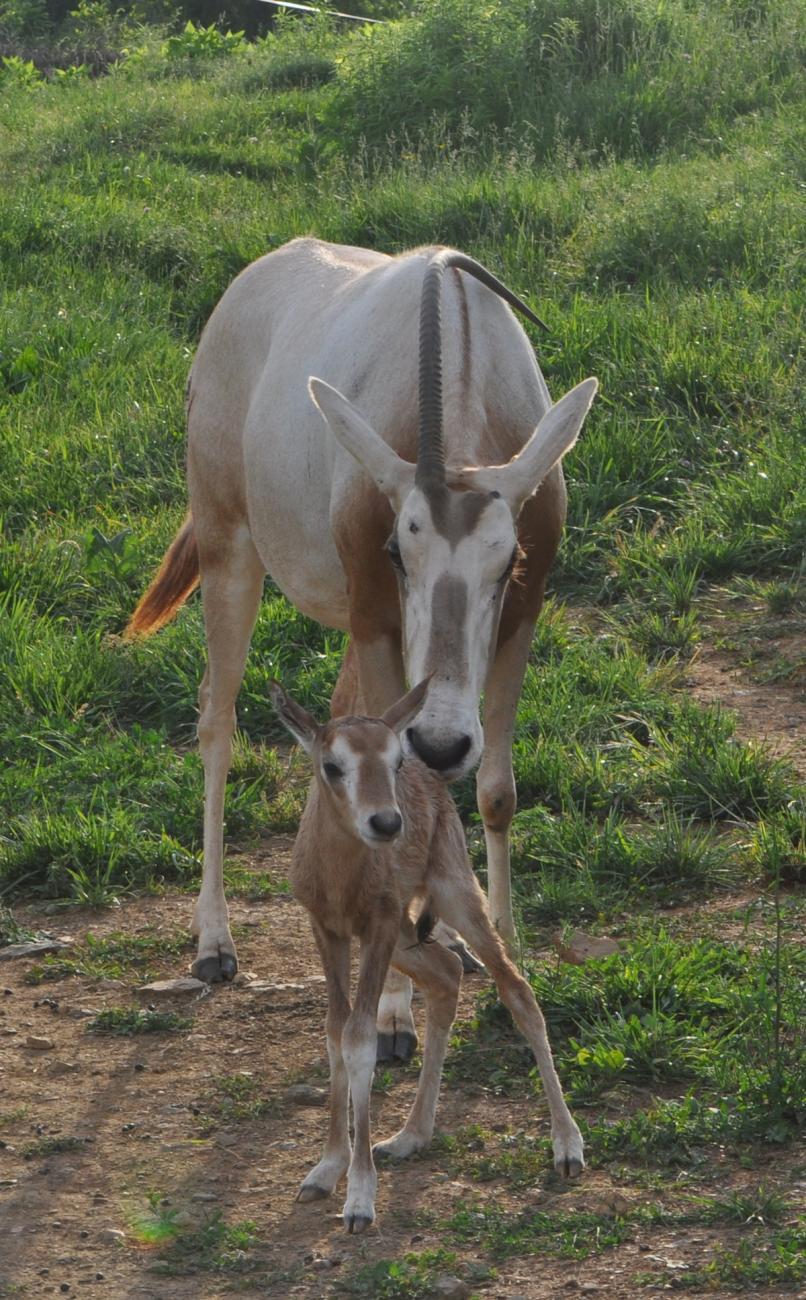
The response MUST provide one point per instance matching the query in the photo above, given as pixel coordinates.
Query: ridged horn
(430, 474)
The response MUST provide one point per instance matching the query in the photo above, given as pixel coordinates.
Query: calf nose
(386, 823)
(441, 759)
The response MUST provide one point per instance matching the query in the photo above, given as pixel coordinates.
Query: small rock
(82, 1013)
(226, 1140)
(110, 984)
(64, 1067)
(588, 1288)
(169, 988)
(36, 948)
(304, 1094)
(263, 986)
(204, 1196)
(38, 1044)
(186, 1219)
(451, 1288)
(112, 1236)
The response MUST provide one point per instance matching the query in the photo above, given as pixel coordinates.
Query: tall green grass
(634, 169)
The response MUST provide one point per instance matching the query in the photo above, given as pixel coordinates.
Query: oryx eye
(393, 551)
(332, 771)
(513, 559)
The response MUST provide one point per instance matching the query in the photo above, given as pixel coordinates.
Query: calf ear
(394, 476)
(300, 723)
(399, 715)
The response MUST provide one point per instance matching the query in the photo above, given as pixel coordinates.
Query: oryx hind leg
(231, 584)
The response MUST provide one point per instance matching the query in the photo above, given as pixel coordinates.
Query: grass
(125, 1021)
(636, 172)
(116, 956)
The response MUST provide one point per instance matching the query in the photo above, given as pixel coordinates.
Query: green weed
(410, 1277)
(52, 1146)
(113, 957)
(125, 1021)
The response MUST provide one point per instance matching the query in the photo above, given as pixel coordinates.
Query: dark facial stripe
(448, 641)
(456, 514)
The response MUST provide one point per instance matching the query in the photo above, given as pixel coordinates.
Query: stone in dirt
(451, 1288)
(34, 948)
(304, 1094)
(582, 947)
(38, 1044)
(263, 986)
(168, 988)
(112, 1236)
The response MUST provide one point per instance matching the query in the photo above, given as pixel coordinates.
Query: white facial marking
(436, 565)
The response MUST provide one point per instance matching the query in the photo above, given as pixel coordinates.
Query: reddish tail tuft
(178, 576)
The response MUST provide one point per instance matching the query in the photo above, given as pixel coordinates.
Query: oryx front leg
(231, 582)
(324, 1177)
(358, 1047)
(495, 783)
(461, 901)
(436, 971)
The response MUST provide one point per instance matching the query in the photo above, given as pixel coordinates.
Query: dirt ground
(148, 1114)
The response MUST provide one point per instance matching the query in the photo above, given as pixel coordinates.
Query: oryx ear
(554, 436)
(395, 477)
(400, 714)
(299, 722)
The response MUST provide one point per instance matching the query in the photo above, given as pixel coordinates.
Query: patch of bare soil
(756, 668)
(148, 1112)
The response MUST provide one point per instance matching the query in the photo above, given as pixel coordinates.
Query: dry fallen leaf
(582, 947)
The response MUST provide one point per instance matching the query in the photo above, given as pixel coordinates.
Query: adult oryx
(403, 528)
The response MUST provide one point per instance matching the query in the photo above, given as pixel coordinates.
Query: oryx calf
(379, 834)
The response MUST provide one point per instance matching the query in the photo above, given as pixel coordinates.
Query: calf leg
(322, 1180)
(358, 1046)
(372, 678)
(459, 899)
(436, 971)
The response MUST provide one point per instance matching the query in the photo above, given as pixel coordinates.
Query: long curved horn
(430, 475)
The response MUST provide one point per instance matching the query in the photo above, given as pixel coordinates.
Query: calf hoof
(310, 1192)
(570, 1168)
(358, 1222)
(215, 970)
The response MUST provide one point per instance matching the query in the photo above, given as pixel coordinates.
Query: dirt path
(154, 1119)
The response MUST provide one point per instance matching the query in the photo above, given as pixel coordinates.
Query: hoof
(470, 962)
(310, 1192)
(215, 970)
(405, 1045)
(570, 1168)
(357, 1222)
(385, 1049)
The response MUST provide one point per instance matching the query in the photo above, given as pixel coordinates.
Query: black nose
(441, 760)
(386, 823)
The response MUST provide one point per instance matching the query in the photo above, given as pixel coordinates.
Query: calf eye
(332, 771)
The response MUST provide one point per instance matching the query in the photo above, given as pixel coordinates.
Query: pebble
(304, 1094)
(82, 1013)
(38, 1044)
(185, 984)
(204, 1196)
(112, 1236)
